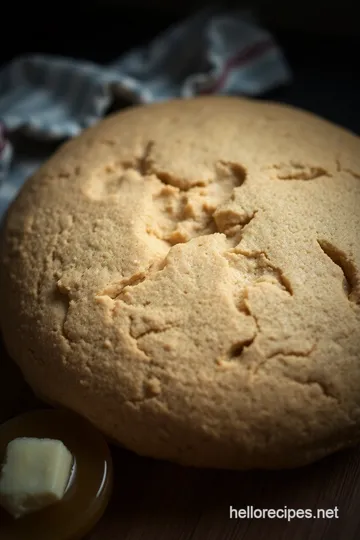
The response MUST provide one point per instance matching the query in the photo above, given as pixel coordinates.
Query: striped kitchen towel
(54, 98)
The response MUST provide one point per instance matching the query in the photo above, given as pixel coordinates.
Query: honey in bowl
(89, 486)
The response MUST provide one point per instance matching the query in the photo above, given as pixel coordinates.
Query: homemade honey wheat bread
(187, 276)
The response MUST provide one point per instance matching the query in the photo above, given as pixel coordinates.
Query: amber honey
(89, 488)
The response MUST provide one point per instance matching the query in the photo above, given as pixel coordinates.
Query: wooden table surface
(154, 500)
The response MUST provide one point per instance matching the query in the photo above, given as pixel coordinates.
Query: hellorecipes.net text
(251, 512)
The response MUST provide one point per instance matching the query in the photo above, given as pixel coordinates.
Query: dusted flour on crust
(187, 276)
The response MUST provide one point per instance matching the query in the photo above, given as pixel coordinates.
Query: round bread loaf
(186, 275)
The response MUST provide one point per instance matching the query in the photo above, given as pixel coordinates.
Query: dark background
(321, 41)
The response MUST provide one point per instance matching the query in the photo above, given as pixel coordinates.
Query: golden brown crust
(187, 276)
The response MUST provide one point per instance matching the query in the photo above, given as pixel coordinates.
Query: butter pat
(35, 474)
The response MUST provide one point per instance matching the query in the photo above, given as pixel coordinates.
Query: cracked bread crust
(187, 276)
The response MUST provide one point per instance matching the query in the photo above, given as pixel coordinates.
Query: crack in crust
(187, 211)
(181, 216)
(261, 268)
(231, 222)
(298, 171)
(58, 297)
(350, 277)
(151, 386)
(144, 162)
(347, 170)
(299, 353)
(118, 289)
(61, 303)
(323, 387)
(236, 351)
